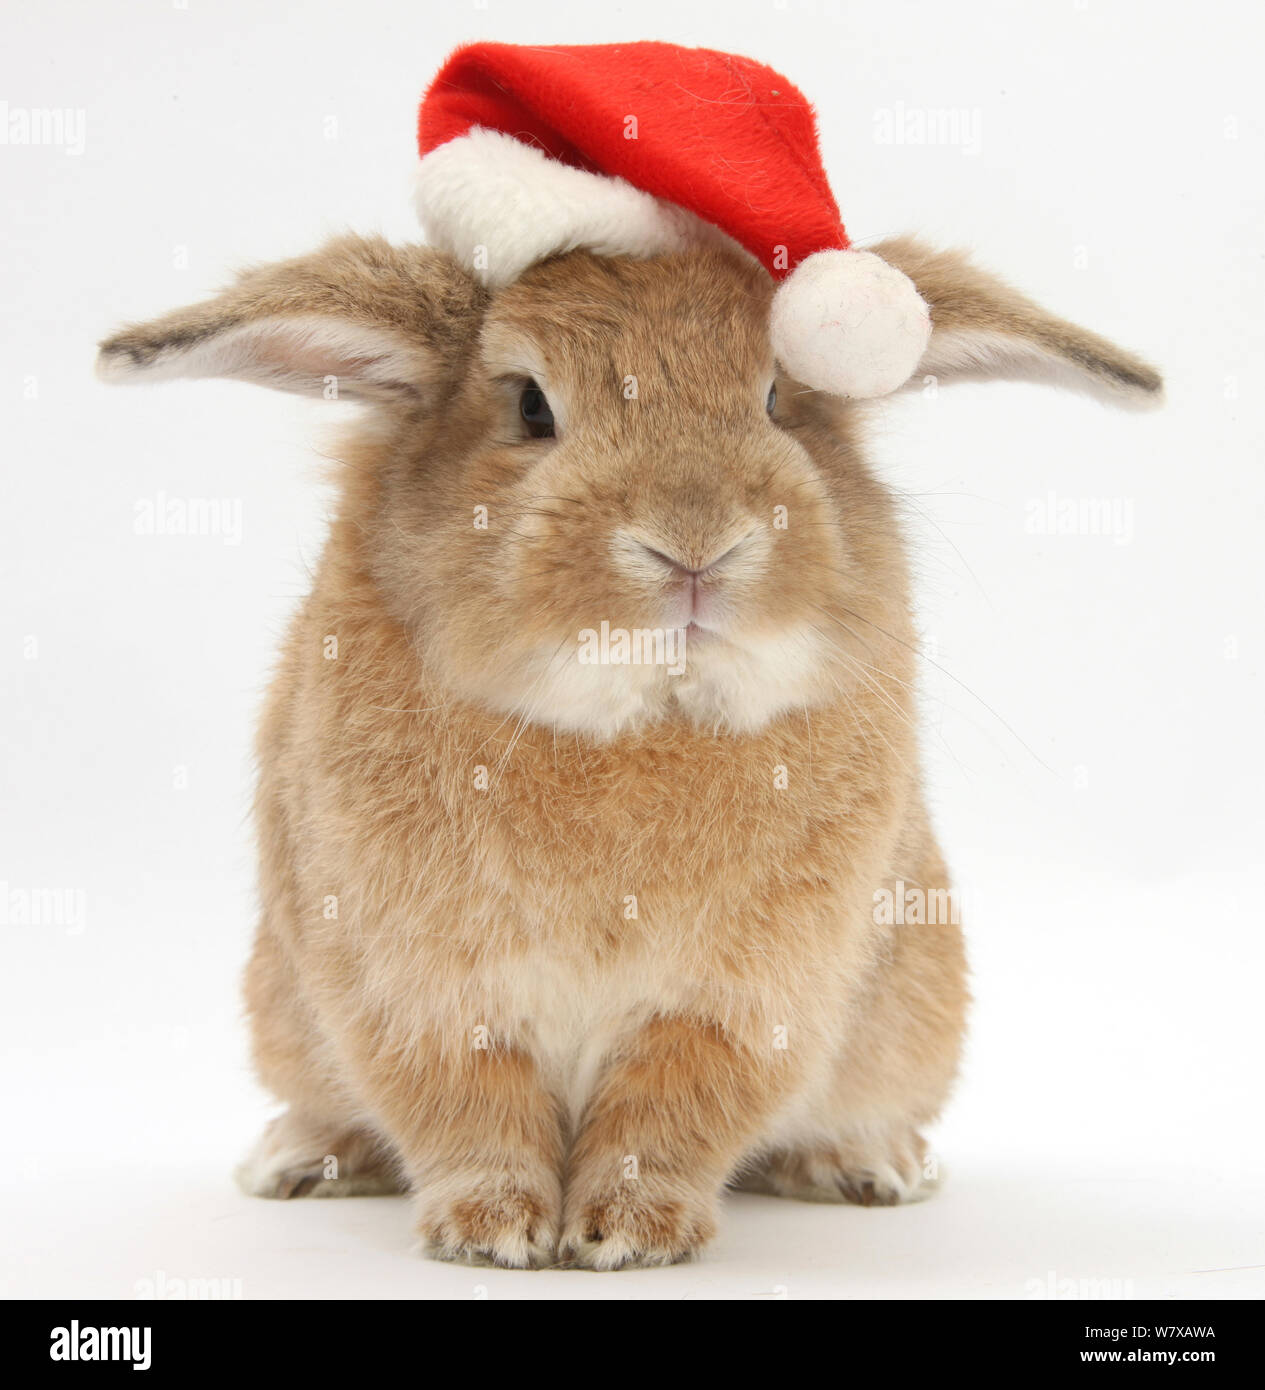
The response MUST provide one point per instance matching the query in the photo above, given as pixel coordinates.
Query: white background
(1108, 1122)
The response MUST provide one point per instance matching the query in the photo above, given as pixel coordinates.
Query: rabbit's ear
(981, 329)
(358, 319)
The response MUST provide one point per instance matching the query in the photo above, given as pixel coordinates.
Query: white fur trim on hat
(499, 205)
(848, 323)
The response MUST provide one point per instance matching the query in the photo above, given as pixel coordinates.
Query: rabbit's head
(591, 497)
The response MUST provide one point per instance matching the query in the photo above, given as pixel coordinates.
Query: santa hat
(641, 148)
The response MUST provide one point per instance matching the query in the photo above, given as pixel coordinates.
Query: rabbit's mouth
(612, 681)
(743, 683)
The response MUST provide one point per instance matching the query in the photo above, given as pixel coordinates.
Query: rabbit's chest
(571, 1018)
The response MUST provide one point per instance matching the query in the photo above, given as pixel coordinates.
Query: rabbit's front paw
(491, 1222)
(633, 1224)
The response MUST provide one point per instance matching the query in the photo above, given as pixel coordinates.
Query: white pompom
(848, 323)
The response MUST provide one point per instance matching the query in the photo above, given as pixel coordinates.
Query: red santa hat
(641, 148)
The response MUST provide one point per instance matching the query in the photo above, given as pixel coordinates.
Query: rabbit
(566, 948)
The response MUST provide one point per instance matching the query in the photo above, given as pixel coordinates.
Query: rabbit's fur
(565, 948)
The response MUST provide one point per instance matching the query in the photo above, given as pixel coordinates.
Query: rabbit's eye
(771, 402)
(535, 411)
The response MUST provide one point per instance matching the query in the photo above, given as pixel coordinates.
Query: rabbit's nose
(693, 563)
(672, 562)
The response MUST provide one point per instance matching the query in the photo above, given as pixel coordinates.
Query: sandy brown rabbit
(564, 946)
